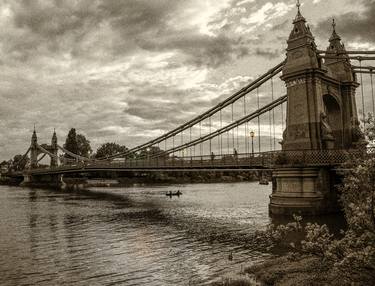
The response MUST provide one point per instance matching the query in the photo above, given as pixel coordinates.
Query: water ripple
(129, 236)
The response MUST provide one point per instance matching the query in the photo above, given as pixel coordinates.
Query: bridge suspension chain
(238, 122)
(41, 158)
(78, 157)
(23, 157)
(233, 98)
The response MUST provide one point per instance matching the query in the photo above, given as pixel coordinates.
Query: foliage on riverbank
(321, 259)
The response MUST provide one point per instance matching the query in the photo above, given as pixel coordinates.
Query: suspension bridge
(299, 119)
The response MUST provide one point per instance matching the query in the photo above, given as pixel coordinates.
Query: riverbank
(288, 270)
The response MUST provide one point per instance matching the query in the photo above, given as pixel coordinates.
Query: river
(130, 236)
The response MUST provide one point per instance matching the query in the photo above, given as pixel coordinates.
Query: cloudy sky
(127, 71)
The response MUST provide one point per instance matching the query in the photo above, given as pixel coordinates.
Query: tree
(108, 149)
(84, 148)
(349, 260)
(19, 163)
(151, 151)
(370, 127)
(77, 144)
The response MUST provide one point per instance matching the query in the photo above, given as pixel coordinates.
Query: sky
(128, 71)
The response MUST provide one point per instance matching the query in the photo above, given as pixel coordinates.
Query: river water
(130, 236)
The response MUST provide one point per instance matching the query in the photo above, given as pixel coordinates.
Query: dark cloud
(107, 29)
(200, 49)
(352, 25)
(282, 26)
(268, 53)
(127, 71)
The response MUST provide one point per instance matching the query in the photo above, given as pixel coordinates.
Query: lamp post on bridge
(252, 134)
(148, 154)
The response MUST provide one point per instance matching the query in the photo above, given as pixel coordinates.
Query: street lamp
(252, 134)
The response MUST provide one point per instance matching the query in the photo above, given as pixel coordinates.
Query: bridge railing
(270, 159)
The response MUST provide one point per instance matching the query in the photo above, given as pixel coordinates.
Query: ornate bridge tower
(34, 151)
(54, 150)
(321, 115)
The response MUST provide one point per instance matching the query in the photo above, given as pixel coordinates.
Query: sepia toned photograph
(187, 142)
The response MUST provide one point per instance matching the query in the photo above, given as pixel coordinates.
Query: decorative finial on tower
(334, 35)
(299, 16)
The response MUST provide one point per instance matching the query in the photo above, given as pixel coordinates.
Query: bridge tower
(321, 115)
(34, 151)
(54, 149)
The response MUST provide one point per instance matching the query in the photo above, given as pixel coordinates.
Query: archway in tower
(334, 116)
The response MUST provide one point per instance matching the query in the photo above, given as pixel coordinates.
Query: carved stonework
(295, 82)
(326, 131)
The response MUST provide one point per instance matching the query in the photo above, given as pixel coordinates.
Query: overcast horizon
(128, 71)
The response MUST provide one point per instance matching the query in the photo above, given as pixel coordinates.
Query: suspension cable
(363, 98)
(273, 117)
(236, 96)
(210, 138)
(228, 142)
(245, 125)
(200, 136)
(232, 129)
(270, 125)
(190, 141)
(372, 95)
(238, 143)
(258, 120)
(221, 136)
(41, 158)
(282, 118)
(182, 143)
(238, 122)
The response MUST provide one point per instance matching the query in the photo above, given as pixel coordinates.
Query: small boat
(170, 193)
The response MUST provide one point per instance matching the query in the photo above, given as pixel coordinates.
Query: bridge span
(312, 112)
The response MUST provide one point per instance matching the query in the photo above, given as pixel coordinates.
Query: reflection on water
(129, 236)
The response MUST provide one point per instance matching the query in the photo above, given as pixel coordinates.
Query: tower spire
(334, 35)
(299, 16)
(34, 138)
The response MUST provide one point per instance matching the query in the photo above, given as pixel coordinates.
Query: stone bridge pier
(47, 181)
(321, 115)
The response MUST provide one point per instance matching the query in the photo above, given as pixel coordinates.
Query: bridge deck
(264, 160)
